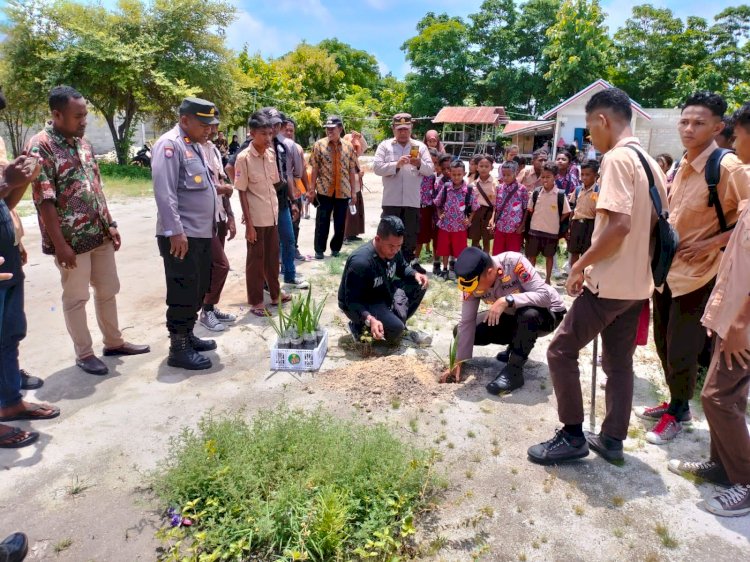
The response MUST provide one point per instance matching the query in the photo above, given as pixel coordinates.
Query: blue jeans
(12, 331)
(287, 245)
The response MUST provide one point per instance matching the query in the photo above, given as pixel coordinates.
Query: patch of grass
(476, 457)
(522, 557)
(335, 265)
(77, 487)
(666, 537)
(535, 544)
(618, 501)
(292, 485)
(443, 422)
(470, 434)
(619, 533)
(451, 445)
(414, 425)
(395, 403)
(514, 471)
(436, 545)
(487, 511)
(469, 474)
(62, 545)
(578, 510)
(495, 451)
(116, 172)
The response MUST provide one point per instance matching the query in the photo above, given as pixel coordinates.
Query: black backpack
(665, 236)
(564, 224)
(467, 198)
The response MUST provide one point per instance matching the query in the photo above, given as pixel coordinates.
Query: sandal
(33, 412)
(285, 298)
(15, 438)
(260, 312)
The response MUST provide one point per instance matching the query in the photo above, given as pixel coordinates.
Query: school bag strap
(713, 175)
(484, 195)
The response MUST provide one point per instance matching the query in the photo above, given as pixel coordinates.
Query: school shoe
(655, 413)
(29, 382)
(209, 321)
(710, 471)
(319, 256)
(298, 256)
(443, 275)
(418, 338)
(224, 317)
(298, 283)
(605, 446)
(510, 378)
(664, 431)
(436, 268)
(335, 254)
(733, 502)
(563, 447)
(183, 355)
(451, 275)
(199, 344)
(14, 548)
(503, 356)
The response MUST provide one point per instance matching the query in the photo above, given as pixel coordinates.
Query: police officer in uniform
(522, 308)
(185, 224)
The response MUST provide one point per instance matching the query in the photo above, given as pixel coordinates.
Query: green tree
(358, 68)
(317, 68)
(21, 113)
(441, 63)
(135, 60)
(578, 47)
(392, 95)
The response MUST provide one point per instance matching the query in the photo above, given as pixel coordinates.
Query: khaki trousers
(97, 269)
(724, 399)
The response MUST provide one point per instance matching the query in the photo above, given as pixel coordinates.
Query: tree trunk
(122, 133)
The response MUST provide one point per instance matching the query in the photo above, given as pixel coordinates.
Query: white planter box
(299, 359)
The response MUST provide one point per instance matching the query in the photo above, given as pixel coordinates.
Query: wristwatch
(510, 300)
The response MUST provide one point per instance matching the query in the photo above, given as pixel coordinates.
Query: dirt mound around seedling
(388, 382)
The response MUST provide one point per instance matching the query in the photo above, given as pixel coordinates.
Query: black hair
(538, 152)
(390, 225)
(443, 157)
(288, 120)
(668, 160)
(59, 96)
(259, 120)
(549, 167)
(614, 99)
(484, 157)
(741, 117)
(565, 152)
(592, 165)
(711, 101)
(458, 164)
(433, 152)
(476, 158)
(572, 150)
(728, 131)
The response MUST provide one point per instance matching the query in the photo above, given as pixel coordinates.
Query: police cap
(469, 267)
(204, 110)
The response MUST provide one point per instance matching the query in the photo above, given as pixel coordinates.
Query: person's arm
(467, 328)
(736, 345)
(426, 167)
(380, 165)
(165, 171)
(565, 209)
(312, 189)
(250, 234)
(356, 288)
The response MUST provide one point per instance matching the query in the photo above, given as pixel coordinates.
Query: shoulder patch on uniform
(168, 152)
(519, 268)
(524, 276)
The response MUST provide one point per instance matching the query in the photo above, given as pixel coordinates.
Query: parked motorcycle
(142, 157)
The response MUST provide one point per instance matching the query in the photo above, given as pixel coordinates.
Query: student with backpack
(509, 218)
(583, 201)
(549, 209)
(618, 280)
(703, 202)
(455, 206)
(486, 188)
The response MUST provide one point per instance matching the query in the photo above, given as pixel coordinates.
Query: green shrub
(127, 171)
(293, 486)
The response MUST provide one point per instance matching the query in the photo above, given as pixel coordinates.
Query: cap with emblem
(402, 120)
(204, 110)
(469, 267)
(274, 115)
(333, 121)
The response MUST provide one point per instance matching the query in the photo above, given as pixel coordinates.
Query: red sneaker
(666, 430)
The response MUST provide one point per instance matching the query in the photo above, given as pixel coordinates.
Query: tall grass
(293, 486)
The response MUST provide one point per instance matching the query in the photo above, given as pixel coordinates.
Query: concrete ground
(82, 493)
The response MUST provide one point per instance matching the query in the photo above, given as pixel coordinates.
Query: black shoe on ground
(436, 269)
(416, 266)
(504, 356)
(506, 381)
(607, 447)
(14, 548)
(298, 256)
(183, 356)
(563, 447)
(92, 365)
(201, 345)
(319, 256)
(335, 254)
(29, 382)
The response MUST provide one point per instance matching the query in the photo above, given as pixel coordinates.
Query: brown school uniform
(256, 174)
(679, 305)
(582, 223)
(481, 220)
(614, 292)
(529, 178)
(725, 392)
(545, 223)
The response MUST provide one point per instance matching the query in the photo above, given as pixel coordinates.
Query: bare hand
(491, 226)
(310, 196)
(66, 257)
(693, 251)
(251, 235)
(403, 161)
(415, 162)
(224, 189)
(574, 284)
(496, 311)
(455, 373)
(376, 328)
(231, 227)
(178, 245)
(22, 171)
(24, 254)
(521, 228)
(422, 279)
(4, 276)
(736, 347)
(115, 235)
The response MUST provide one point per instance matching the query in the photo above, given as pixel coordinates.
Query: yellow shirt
(546, 217)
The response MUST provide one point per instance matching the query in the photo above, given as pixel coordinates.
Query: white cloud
(258, 36)
(383, 68)
(406, 68)
(314, 8)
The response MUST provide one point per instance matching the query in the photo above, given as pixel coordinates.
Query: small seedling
(77, 487)
(62, 545)
(535, 544)
(443, 422)
(522, 557)
(476, 457)
(487, 511)
(494, 442)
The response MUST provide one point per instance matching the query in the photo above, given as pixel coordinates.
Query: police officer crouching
(185, 201)
(523, 307)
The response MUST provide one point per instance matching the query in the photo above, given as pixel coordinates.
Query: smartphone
(414, 152)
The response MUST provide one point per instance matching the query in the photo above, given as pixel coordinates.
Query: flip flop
(284, 299)
(10, 440)
(260, 312)
(28, 414)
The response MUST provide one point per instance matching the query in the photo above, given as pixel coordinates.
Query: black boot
(510, 378)
(184, 356)
(201, 345)
(503, 356)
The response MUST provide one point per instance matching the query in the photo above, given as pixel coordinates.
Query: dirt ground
(82, 493)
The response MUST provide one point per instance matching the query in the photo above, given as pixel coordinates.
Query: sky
(380, 27)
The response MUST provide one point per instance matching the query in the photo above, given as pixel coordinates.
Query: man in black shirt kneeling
(379, 289)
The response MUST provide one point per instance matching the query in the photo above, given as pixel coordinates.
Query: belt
(584, 220)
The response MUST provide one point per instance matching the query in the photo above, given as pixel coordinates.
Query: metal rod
(594, 359)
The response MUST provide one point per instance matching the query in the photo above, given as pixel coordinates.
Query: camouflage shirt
(70, 179)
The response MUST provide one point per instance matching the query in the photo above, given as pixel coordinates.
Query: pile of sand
(388, 381)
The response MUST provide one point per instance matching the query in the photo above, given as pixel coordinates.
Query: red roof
(472, 115)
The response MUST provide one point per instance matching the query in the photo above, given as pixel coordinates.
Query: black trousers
(188, 281)
(393, 325)
(330, 206)
(410, 218)
(520, 330)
